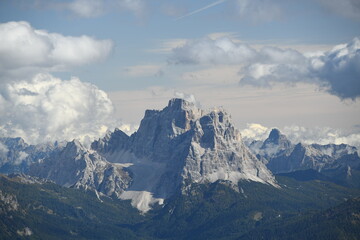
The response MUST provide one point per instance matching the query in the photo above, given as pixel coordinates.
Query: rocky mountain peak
(74, 144)
(276, 144)
(178, 103)
(73, 148)
(180, 145)
(274, 135)
(17, 142)
(111, 142)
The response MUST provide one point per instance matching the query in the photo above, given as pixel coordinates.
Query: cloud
(186, 97)
(321, 135)
(3, 151)
(173, 10)
(224, 50)
(25, 50)
(339, 70)
(346, 8)
(143, 70)
(258, 10)
(296, 134)
(129, 128)
(209, 51)
(136, 6)
(87, 8)
(166, 46)
(255, 131)
(336, 71)
(48, 109)
(96, 8)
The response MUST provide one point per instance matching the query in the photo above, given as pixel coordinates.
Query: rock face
(177, 146)
(172, 149)
(281, 156)
(16, 155)
(75, 166)
(276, 145)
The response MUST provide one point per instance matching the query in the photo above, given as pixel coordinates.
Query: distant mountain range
(172, 149)
(186, 168)
(340, 163)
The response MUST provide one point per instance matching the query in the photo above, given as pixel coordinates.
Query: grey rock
(75, 166)
(178, 146)
(16, 155)
(281, 156)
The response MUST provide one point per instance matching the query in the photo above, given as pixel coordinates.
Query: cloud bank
(48, 109)
(336, 71)
(25, 50)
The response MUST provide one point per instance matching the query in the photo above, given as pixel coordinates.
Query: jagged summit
(274, 135)
(75, 166)
(180, 145)
(282, 156)
(179, 103)
(278, 139)
(275, 145)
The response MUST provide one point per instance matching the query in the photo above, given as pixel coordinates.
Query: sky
(77, 68)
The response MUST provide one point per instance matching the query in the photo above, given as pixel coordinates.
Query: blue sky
(270, 62)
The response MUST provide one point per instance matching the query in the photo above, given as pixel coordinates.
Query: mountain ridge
(184, 145)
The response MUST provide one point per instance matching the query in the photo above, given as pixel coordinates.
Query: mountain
(179, 146)
(49, 211)
(191, 173)
(281, 155)
(276, 144)
(339, 222)
(16, 155)
(44, 210)
(301, 157)
(341, 163)
(77, 167)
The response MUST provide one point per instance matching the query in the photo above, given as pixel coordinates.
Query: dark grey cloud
(340, 74)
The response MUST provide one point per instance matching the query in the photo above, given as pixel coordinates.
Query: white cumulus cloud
(25, 50)
(48, 109)
(255, 131)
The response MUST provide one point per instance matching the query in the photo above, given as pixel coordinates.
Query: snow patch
(141, 200)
